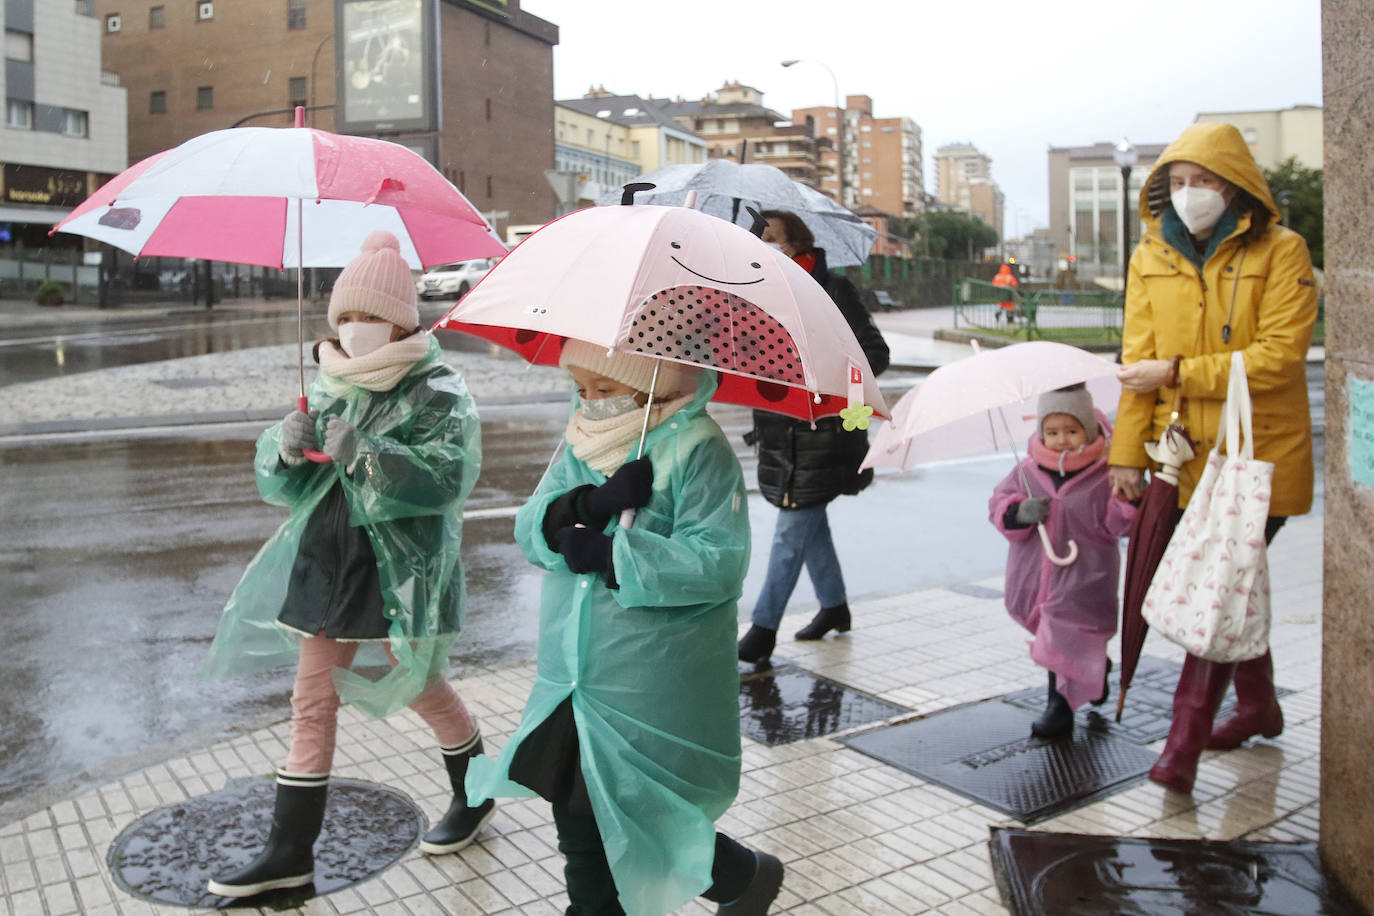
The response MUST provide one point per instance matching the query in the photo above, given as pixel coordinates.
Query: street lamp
(1125, 156)
(839, 113)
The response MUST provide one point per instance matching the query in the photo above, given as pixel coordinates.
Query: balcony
(85, 7)
(109, 79)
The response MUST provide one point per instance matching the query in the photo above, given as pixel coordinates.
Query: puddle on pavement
(167, 855)
(1076, 875)
(785, 704)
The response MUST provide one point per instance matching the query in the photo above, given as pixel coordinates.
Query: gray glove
(297, 434)
(340, 441)
(1032, 511)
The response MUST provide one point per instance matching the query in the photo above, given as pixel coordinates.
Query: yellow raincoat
(1263, 289)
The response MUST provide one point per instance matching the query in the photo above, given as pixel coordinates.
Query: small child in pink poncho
(1071, 610)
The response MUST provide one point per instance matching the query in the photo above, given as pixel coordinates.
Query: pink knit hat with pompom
(377, 282)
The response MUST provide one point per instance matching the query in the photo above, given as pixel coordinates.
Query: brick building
(193, 67)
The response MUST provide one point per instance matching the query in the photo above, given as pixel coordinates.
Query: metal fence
(1059, 314)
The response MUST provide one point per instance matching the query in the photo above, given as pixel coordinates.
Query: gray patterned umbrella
(725, 188)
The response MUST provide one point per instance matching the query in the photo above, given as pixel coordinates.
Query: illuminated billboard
(386, 66)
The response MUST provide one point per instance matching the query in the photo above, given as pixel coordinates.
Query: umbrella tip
(627, 193)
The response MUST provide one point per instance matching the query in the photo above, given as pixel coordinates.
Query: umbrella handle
(303, 405)
(1049, 548)
(1120, 702)
(627, 518)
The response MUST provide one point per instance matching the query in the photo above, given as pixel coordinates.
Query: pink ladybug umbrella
(284, 197)
(677, 284)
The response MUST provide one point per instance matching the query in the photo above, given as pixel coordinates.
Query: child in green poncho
(366, 569)
(632, 727)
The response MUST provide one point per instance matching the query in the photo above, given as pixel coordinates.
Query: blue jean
(802, 536)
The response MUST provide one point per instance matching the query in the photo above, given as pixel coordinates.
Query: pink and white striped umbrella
(227, 196)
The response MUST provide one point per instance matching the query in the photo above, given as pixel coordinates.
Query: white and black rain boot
(288, 860)
(460, 823)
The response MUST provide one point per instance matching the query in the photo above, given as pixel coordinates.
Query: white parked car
(453, 280)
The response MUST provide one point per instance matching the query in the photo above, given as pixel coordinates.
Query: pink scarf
(1075, 460)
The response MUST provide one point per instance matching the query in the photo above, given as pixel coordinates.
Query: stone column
(1347, 791)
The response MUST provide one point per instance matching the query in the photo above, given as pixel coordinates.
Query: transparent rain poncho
(419, 453)
(650, 666)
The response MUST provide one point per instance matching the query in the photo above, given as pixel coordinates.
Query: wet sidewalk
(857, 835)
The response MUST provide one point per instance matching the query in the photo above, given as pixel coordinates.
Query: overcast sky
(1013, 78)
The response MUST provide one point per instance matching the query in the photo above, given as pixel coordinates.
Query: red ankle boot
(1196, 698)
(1257, 707)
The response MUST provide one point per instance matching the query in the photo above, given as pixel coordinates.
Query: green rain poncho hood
(650, 667)
(419, 452)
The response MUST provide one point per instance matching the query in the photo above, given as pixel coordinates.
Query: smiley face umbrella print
(676, 284)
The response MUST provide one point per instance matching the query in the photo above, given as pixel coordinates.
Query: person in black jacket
(803, 467)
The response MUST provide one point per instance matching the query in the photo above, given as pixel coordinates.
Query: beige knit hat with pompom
(377, 282)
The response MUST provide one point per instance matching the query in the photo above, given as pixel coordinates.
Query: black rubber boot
(760, 893)
(1106, 685)
(757, 644)
(288, 859)
(460, 824)
(1057, 719)
(827, 618)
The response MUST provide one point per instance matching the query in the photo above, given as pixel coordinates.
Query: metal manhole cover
(167, 855)
(786, 704)
(1149, 703)
(985, 752)
(1064, 874)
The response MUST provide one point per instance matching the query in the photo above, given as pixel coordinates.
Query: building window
(157, 102)
(112, 23)
(85, 7)
(76, 123)
(296, 90)
(19, 114)
(489, 186)
(157, 17)
(488, 109)
(295, 14)
(205, 97)
(205, 10)
(18, 45)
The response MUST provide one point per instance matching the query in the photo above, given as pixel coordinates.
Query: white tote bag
(1210, 593)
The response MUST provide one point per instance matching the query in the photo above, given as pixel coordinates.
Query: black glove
(628, 488)
(1032, 511)
(585, 550)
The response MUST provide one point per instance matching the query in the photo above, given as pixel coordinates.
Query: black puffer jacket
(800, 466)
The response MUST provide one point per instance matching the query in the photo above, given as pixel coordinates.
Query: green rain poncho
(419, 452)
(650, 666)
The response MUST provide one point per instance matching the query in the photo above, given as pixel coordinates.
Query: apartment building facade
(1274, 136)
(1086, 206)
(882, 156)
(963, 179)
(735, 124)
(602, 141)
(65, 129)
(482, 72)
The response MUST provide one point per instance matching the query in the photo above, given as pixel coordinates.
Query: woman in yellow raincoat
(631, 729)
(1213, 274)
(366, 570)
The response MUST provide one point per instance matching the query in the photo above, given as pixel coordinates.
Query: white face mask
(606, 408)
(1199, 208)
(359, 338)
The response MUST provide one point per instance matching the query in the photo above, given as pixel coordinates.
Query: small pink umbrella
(986, 403)
(284, 197)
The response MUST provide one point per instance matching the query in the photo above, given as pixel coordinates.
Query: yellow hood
(1217, 147)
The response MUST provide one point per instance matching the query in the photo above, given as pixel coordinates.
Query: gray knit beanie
(1073, 400)
(377, 282)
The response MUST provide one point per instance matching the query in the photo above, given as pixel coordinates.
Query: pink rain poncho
(1071, 610)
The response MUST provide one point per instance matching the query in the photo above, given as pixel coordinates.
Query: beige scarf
(606, 444)
(379, 370)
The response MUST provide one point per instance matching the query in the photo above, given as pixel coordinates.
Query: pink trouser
(315, 707)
